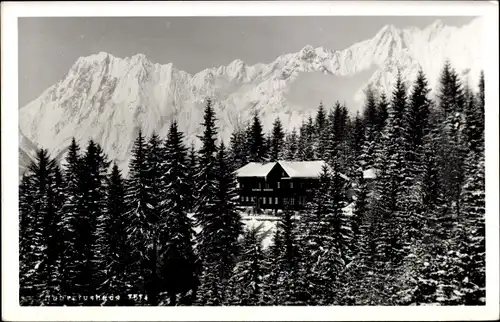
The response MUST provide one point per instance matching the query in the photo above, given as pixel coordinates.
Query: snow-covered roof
(255, 169)
(302, 169)
(370, 174)
(294, 169)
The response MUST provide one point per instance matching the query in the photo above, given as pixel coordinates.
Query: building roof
(302, 169)
(294, 169)
(370, 173)
(255, 169)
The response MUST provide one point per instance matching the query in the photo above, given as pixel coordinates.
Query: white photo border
(9, 129)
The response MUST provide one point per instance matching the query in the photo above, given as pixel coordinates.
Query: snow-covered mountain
(108, 98)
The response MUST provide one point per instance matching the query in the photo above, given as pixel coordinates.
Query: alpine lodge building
(279, 185)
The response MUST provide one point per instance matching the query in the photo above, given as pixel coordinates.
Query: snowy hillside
(107, 98)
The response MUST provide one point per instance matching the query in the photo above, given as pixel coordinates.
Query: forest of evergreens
(416, 236)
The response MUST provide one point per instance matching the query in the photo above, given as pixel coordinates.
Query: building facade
(279, 185)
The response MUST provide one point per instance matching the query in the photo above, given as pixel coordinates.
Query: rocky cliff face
(108, 98)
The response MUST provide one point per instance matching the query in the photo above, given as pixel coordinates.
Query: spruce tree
(140, 234)
(239, 148)
(26, 218)
(277, 141)
(192, 162)
(291, 283)
(224, 228)
(474, 126)
(69, 228)
(227, 209)
(370, 112)
(91, 220)
(291, 146)
(481, 93)
(115, 252)
(323, 256)
(472, 224)
(371, 125)
(257, 141)
(206, 213)
(382, 111)
(418, 111)
(40, 262)
(359, 214)
(176, 234)
(247, 280)
(320, 122)
(321, 133)
(358, 137)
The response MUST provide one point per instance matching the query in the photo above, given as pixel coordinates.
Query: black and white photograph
(248, 161)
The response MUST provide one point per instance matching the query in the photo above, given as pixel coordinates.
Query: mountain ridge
(106, 97)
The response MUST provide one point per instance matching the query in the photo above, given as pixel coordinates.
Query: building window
(291, 184)
(264, 200)
(278, 184)
(276, 200)
(270, 200)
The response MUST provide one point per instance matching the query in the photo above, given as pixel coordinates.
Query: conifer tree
(320, 122)
(277, 141)
(371, 125)
(291, 284)
(418, 111)
(192, 162)
(474, 126)
(472, 224)
(115, 252)
(40, 262)
(210, 292)
(140, 234)
(320, 251)
(26, 218)
(247, 280)
(451, 100)
(206, 176)
(450, 95)
(358, 129)
(396, 145)
(321, 132)
(480, 95)
(370, 110)
(291, 145)
(223, 229)
(176, 234)
(91, 219)
(359, 214)
(227, 209)
(239, 148)
(69, 228)
(257, 141)
(382, 111)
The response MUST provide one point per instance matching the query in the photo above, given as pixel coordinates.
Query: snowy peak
(108, 98)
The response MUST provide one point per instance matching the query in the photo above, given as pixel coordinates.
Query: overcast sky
(48, 47)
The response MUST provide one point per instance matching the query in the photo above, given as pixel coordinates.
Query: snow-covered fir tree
(291, 145)
(140, 232)
(39, 256)
(115, 251)
(257, 141)
(177, 262)
(276, 151)
(246, 283)
(69, 226)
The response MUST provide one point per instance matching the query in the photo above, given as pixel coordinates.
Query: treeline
(415, 235)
